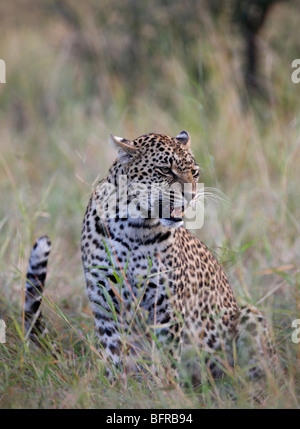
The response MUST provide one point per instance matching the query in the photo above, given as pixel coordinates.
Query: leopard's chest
(143, 259)
(147, 268)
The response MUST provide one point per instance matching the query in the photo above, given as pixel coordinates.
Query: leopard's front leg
(110, 317)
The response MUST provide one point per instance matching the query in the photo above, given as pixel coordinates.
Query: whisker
(209, 195)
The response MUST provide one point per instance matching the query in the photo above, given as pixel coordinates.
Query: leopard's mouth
(171, 210)
(176, 214)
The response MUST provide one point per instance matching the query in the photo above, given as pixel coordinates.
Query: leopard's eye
(165, 170)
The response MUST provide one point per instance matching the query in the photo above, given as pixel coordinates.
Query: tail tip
(42, 242)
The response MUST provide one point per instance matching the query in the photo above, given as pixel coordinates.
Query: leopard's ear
(184, 138)
(125, 148)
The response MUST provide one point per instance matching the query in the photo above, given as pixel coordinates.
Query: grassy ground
(53, 139)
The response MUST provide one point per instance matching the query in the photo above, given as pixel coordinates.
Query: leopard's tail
(36, 276)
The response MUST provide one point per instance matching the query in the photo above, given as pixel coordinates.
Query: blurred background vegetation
(78, 71)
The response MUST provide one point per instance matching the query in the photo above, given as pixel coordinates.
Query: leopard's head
(161, 175)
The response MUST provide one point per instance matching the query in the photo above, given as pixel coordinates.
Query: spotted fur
(163, 269)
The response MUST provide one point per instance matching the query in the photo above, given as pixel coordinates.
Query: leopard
(149, 277)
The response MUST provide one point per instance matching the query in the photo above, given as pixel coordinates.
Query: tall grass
(58, 108)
